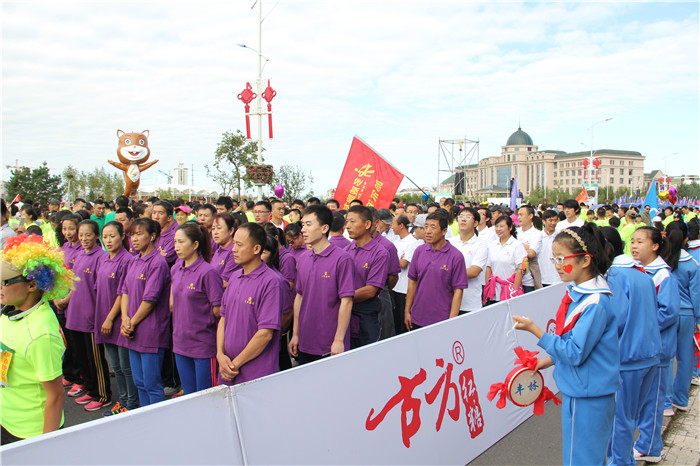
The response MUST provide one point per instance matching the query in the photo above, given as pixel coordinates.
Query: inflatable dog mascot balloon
(133, 152)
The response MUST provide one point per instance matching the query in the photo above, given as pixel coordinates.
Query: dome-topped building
(520, 138)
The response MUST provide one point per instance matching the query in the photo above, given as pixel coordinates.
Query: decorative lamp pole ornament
(247, 96)
(596, 164)
(585, 171)
(268, 94)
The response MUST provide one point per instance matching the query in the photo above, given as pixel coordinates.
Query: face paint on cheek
(568, 268)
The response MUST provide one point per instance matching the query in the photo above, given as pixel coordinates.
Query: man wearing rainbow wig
(32, 343)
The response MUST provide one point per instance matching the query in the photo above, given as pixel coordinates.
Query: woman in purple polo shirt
(111, 271)
(195, 299)
(271, 257)
(80, 319)
(295, 242)
(222, 229)
(67, 236)
(145, 312)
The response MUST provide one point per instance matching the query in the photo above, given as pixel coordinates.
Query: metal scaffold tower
(454, 156)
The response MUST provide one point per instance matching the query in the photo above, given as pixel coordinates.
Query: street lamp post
(590, 159)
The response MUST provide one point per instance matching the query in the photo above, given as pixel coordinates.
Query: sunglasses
(12, 281)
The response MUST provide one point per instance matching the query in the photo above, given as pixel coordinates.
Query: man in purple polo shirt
(370, 261)
(247, 338)
(436, 277)
(335, 236)
(381, 224)
(325, 288)
(162, 213)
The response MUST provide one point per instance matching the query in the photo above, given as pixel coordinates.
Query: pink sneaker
(94, 405)
(83, 400)
(669, 412)
(76, 390)
(66, 383)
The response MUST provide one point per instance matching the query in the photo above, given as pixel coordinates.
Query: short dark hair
(151, 226)
(314, 200)
(99, 202)
(125, 210)
(122, 201)
(572, 204)
(364, 212)
(474, 212)
(299, 202)
(265, 204)
(334, 201)
(323, 215)
(256, 234)
(225, 201)
(549, 213)
(529, 208)
(208, 207)
(359, 202)
(165, 205)
(402, 220)
(338, 222)
(440, 217)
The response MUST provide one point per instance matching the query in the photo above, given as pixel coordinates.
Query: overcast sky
(402, 75)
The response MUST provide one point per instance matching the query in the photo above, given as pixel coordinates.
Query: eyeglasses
(465, 218)
(559, 260)
(12, 281)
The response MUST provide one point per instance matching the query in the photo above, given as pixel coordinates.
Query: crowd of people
(179, 296)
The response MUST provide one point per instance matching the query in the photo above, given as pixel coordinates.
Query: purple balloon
(672, 191)
(279, 190)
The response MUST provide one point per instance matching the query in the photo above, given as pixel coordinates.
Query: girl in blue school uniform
(686, 271)
(694, 251)
(634, 304)
(585, 350)
(646, 246)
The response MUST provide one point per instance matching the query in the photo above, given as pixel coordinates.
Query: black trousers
(399, 312)
(92, 365)
(69, 366)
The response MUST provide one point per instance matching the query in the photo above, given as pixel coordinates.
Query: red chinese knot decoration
(247, 96)
(268, 94)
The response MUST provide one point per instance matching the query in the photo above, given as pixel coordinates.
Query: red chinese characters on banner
(450, 395)
(367, 177)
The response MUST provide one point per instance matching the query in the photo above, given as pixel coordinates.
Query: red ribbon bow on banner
(528, 360)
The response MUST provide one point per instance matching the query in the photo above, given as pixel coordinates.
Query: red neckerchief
(561, 316)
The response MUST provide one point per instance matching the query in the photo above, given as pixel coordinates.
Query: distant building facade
(521, 159)
(181, 175)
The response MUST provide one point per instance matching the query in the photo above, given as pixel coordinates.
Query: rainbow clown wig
(40, 263)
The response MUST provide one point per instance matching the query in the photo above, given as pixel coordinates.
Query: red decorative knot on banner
(450, 393)
(268, 94)
(247, 97)
(523, 386)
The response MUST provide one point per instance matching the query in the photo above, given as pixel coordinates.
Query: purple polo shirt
(323, 279)
(288, 266)
(221, 258)
(195, 289)
(70, 251)
(370, 263)
(394, 265)
(252, 302)
(148, 279)
(340, 241)
(165, 244)
(80, 314)
(298, 252)
(109, 280)
(286, 294)
(438, 273)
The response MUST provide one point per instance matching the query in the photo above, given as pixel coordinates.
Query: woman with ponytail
(686, 271)
(195, 299)
(647, 247)
(634, 304)
(584, 350)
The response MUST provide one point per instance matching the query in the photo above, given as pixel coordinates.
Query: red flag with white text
(367, 177)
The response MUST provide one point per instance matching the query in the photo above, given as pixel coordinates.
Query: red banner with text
(367, 177)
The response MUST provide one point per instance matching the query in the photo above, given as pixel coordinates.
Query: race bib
(5, 361)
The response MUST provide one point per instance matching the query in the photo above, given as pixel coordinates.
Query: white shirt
(405, 247)
(505, 260)
(566, 224)
(476, 252)
(391, 236)
(547, 270)
(532, 237)
(488, 235)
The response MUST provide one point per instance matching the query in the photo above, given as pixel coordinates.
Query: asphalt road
(537, 441)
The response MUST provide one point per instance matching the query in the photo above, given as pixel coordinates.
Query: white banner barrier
(419, 398)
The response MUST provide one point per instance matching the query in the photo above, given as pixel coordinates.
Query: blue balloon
(426, 196)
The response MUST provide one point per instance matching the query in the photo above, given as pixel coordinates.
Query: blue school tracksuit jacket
(669, 304)
(687, 274)
(694, 249)
(634, 303)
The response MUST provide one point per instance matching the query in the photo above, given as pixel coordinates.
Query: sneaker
(680, 408)
(178, 394)
(83, 400)
(695, 380)
(170, 391)
(113, 411)
(649, 459)
(668, 412)
(94, 405)
(66, 383)
(76, 390)
(116, 407)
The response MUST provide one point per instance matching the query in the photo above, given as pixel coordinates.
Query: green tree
(91, 185)
(37, 184)
(294, 180)
(232, 156)
(690, 190)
